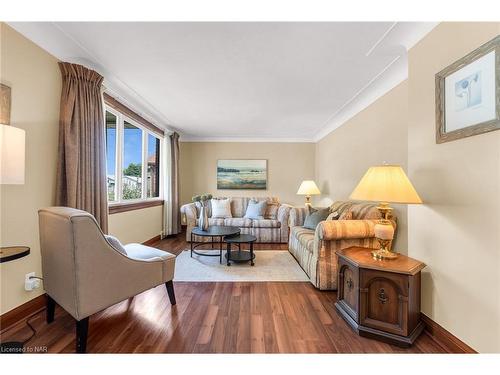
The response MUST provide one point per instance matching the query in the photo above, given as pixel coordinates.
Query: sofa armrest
(331, 230)
(284, 214)
(297, 216)
(189, 211)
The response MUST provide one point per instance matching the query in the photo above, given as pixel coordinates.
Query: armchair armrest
(297, 216)
(332, 230)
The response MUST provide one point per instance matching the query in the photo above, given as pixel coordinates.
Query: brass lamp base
(308, 201)
(382, 254)
(384, 232)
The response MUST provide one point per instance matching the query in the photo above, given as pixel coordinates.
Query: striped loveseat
(273, 228)
(315, 250)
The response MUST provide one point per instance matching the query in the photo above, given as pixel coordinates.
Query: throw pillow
(272, 211)
(115, 244)
(256, 210)
(346, 215)
(333, 215)
(315, 216)
(221, 208)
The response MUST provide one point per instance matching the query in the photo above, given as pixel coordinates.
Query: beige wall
(376, 135)
(456, 231)
(138, 225)
(287, 163)
(34, 78)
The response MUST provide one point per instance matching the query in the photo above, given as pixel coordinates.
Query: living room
(219, 187)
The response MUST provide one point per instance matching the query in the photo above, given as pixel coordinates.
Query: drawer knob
(349, 283)
(382, 297)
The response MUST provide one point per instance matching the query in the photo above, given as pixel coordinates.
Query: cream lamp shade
(386, 183)
(12, 145)
(308, 187)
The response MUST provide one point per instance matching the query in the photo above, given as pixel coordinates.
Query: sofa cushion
(266, 223)
(304, 236)
(239, 222)
(256, 210)
(221, 208)
(212, 221)
(315, 216)
(142, 252)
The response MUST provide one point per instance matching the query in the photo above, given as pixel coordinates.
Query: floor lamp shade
(12, 149)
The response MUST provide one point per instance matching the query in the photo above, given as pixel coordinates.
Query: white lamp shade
(308, 187)
(12, 144)
(386, 183)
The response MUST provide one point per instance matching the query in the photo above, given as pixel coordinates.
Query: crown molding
(188, 138)
(389, 77)
(57, 42)
(370, 93)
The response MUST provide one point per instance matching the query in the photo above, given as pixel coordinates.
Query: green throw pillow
(315, 216)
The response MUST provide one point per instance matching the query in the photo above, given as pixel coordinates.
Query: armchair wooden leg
(82, 329)
(170, 291)
(51, 307)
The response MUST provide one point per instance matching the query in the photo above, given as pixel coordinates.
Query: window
(153, 164)
(111, 155)
(133, 160)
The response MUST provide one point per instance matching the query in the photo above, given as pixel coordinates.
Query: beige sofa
(272, 229)
(315, 250)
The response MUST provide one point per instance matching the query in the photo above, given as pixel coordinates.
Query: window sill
(115, 208)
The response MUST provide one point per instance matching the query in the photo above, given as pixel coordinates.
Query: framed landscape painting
(245, 174)
(468, 94)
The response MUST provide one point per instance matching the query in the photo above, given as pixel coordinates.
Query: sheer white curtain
(171, 213)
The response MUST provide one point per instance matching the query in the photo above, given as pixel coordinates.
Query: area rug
(270, 265)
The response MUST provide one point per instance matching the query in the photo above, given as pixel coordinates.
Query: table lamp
(385, 184)
(12, 145)
(308, 188)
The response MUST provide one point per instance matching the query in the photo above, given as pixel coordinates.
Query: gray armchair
(84, 273)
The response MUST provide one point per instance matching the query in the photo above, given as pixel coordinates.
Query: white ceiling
(239, 81)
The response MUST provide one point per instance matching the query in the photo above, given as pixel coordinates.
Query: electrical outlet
(30, 284)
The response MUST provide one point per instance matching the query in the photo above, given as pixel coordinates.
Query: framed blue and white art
(242, 174)
(468, 94)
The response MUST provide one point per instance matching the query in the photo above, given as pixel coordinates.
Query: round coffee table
(213, 232)
(240, 255)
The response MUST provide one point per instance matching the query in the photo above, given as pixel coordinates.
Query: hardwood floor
(264, 317)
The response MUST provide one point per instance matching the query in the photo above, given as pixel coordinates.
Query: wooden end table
(380, 298)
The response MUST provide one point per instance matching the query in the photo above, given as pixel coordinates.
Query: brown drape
(174, 183)
(81, 170)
